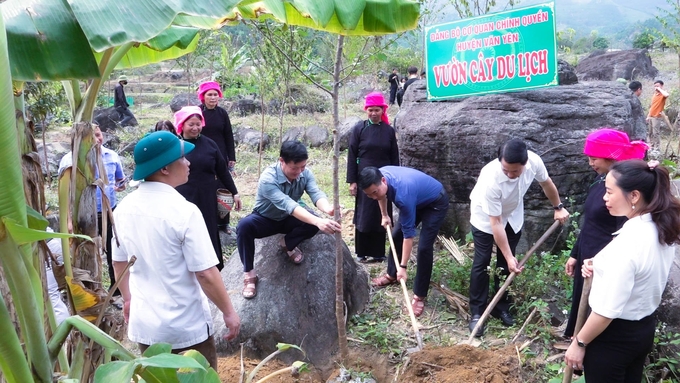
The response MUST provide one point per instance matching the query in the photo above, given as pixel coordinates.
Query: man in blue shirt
(277, 210)
(420, 198)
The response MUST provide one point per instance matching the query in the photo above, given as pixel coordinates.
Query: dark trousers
(369, 244)
(125, 115)
(575, 298)
(479, 276)
(206, 348)
(618, 354)
(107, 249)
(256, 226)
(431, 216)
(393, 94)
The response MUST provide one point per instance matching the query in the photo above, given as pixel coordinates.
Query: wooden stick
(580, 320)
(526, 322)
(414, 323)
(509, 279)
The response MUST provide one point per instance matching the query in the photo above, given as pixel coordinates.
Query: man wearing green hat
(166, 288)
(121, 104)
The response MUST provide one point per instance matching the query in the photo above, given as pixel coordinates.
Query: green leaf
(169, 361)
(114, 372)
(23, 235)
(209, 375)
(35, 220)
(158, 348)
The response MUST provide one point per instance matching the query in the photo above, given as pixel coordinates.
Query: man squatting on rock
(497, 216)
(277, 210)
(165, 290)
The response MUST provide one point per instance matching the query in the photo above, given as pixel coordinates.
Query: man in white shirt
(165, 291)
(497, 216)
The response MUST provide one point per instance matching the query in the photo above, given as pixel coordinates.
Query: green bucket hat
(122, 78)
(157, 150)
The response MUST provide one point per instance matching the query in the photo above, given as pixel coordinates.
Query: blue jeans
(431, 216)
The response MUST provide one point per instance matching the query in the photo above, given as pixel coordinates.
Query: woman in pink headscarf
(217, 128)
(373, 142)
(603, 147)
(206, 168)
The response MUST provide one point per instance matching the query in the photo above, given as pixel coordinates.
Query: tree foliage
(644, 40)
(600, 43)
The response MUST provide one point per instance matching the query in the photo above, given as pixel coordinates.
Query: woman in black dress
(206, 166)
(217, 128)
(603, 147)
(373, 142)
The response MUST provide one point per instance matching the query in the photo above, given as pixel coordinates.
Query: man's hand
(353, 189)
(237, 202)
(401, 274)
(513, 265)
(561, 215)
(569, 266)
(233, 323)
(328, 226)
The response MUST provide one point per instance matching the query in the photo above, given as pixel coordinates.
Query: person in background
(420, 199)
(400, 92)
(207, 166)
(604, 147)
(423, 75)
(629, 275)
(120, 102)
(393, 79)
(60, 309)
(497, 216)
(277, 211)
(167, 289)
(373, 142)
(165, 125)
(115, 183)
(412, 77)
(635, 87)
(218, 128)
(656, 116)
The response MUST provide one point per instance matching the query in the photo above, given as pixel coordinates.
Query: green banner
(500, 52)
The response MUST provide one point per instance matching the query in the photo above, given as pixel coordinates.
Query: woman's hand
(587, 268)
(574, 356)
(569, 266)
(237, 202)
(353, 189)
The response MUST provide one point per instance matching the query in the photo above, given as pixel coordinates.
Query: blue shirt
(277, 196)
(410, 190)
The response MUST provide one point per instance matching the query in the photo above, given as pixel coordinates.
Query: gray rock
(55, 151)
(107, 119)
(609, 65)
(566, 74)
(312, 136)
(345, 129)
(452, 140)
(184, 99)
(247, 106)
(251, 138)
(295, 303)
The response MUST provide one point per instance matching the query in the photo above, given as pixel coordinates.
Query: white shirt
(497, 195)
(168, 236)
(630, 273)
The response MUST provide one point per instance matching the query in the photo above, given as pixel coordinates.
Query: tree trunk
(339, 273)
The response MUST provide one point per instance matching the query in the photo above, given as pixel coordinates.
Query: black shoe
(473, 323)
(504, 316)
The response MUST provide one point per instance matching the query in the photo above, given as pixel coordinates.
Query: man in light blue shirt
(277, 210)
(420, 199)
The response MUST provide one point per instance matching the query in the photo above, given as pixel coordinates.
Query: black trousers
(393, 94)
(107, 249)
(431, 216)
(479, 276)
(618, 354)
(256, 226)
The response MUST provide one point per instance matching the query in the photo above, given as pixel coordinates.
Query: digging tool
(580, 320)
(414, 323)
(509, 279)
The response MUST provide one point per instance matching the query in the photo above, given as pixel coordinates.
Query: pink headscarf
(614, 145)
(206, 86)
(377, 99)
(183, 114)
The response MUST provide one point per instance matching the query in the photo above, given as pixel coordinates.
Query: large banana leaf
(65, 35)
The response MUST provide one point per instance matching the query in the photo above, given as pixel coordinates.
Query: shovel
(580, 320)
(508, 280)
(414, 323)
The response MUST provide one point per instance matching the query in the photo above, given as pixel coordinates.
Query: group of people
(398, 85)
(626, 244)
(656, 116)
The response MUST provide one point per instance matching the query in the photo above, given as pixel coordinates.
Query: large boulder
(107, 119)
(251, 138)
(183, 99)
(246, 106)
(345, 129)
(295, 303)
(610, 65)
(55, 151)
(302, 98)
(566, 74)
(312, 136)
(452, 140)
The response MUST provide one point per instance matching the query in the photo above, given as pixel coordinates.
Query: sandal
(249, 287)
(383, 280)
(296, 256)
(418, 305)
